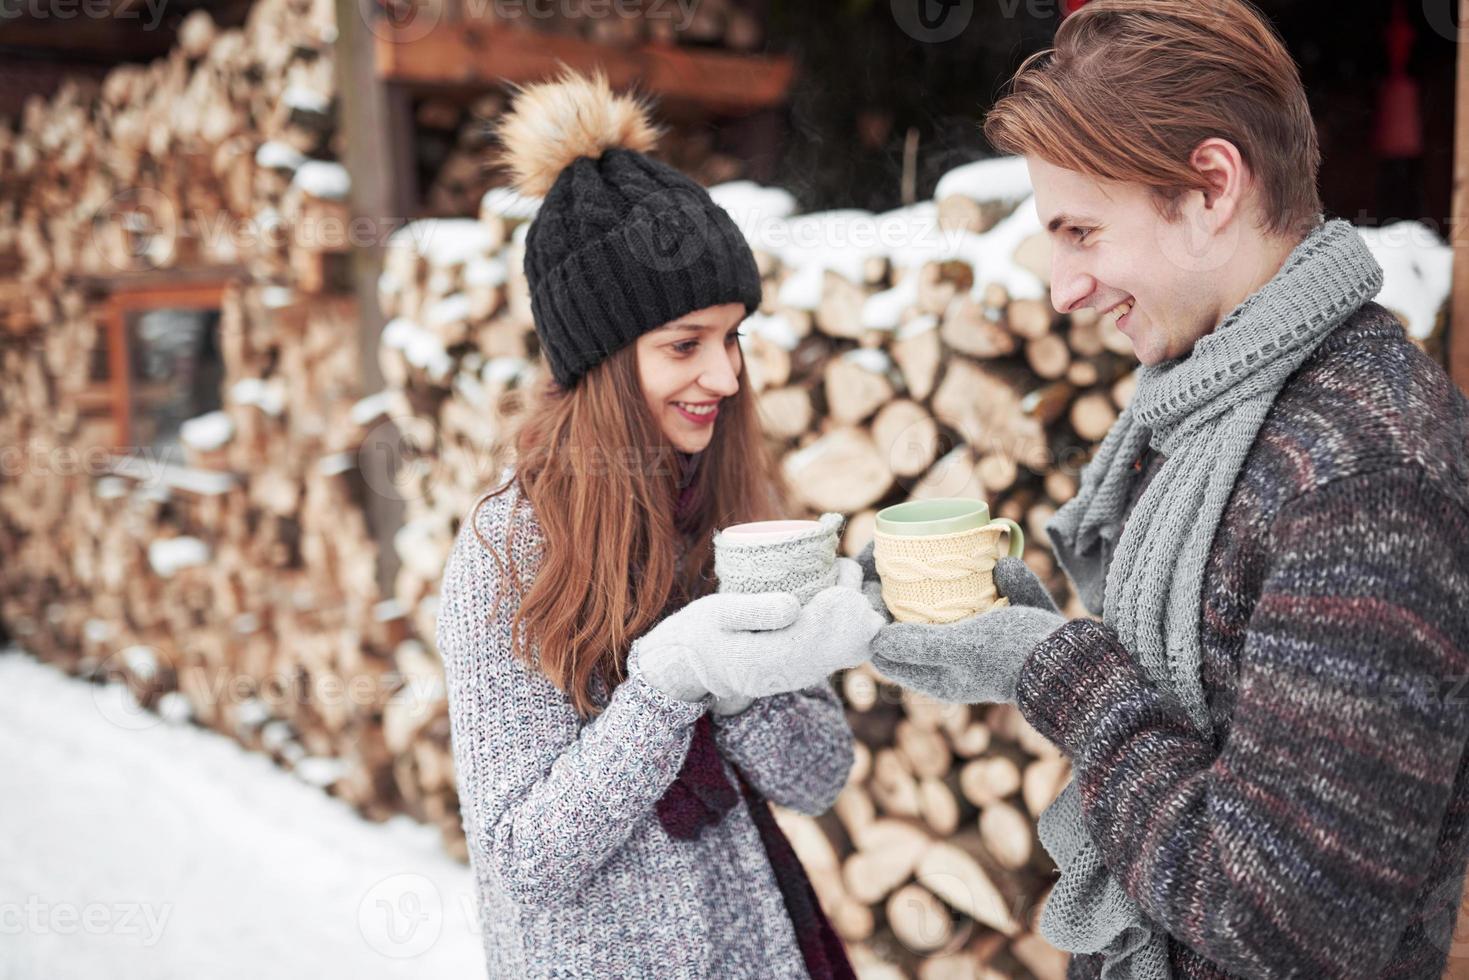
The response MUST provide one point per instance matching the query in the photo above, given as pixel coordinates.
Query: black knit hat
(622, 243)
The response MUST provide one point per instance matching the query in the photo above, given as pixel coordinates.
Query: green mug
(945, 515)
(936, 558)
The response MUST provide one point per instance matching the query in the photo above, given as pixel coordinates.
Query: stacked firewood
(203, 157)
(458, 354)
(229, 578)
(928, 865)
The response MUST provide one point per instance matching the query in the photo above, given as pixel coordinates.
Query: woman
(618, 729)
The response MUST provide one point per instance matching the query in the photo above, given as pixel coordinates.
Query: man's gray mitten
(1015, 581)
(871, 584)
(976, 659)
(867, 562)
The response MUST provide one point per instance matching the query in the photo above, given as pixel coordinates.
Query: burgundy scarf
(700, 796)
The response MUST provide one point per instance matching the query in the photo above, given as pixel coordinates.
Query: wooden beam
(171, 280)
(1459, 312)
(377, 146)
(1458, 340)
(193, 296)
(460, 54)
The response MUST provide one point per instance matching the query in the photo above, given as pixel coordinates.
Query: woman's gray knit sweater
(575, 875)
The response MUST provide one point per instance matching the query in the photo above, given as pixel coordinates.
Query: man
(1265, 726)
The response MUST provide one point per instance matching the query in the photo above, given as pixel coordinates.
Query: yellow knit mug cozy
(936, 558)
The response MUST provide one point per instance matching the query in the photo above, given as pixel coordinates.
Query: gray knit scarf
(1202, 412)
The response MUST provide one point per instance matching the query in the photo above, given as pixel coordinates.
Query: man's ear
(1220, 164)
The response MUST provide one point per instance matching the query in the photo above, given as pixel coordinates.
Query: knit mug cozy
(936, 558)
(621, 243)
(803, 562)
(939, 578)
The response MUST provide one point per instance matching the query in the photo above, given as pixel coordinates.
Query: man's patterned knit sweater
(1324, 831)
(575, 875)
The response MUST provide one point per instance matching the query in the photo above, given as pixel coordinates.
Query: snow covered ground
(132, 847)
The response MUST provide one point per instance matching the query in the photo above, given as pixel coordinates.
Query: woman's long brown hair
(602, 480)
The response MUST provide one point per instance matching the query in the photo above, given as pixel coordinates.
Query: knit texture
(1318, 824)
(733, 645)
(575, 876)
(938, 578)
(1203, 411)
(622, 244)
(803, 564)
(972, 660)
(702, 795)
(821, 947)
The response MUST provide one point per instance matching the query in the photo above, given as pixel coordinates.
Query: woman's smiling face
(687, 367)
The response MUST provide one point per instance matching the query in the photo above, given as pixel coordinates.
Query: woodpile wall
(905, 355)
(233, 584)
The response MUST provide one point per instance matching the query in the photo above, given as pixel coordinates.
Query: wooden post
(1458, 963)
(1459, 311)
(375, 143)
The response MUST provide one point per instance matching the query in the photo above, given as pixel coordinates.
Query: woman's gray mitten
(758, 644)
(976, 659)
(730, 706)
(833, 632)
(666, 655)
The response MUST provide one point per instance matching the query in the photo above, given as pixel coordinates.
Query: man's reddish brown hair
(1132, 87)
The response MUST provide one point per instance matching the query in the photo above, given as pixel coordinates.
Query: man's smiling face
(1114, 252)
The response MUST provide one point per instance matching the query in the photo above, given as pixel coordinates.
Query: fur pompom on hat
(622, 243)
(575, 116)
